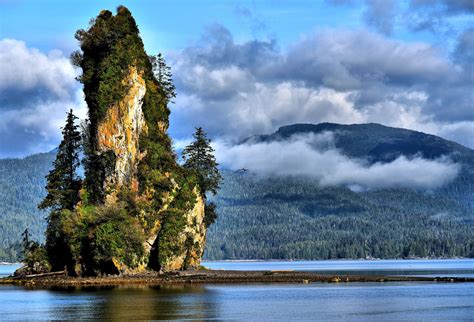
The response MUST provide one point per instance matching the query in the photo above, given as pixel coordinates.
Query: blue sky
(248, 67)
(168, 25)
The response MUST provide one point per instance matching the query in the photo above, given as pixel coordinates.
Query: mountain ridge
(377, 143)
(286, 131)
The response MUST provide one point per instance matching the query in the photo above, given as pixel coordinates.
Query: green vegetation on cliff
(199, 159)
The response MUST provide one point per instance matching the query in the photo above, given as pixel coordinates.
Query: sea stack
(129, 161)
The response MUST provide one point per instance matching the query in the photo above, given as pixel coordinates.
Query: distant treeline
(22, 183)
(295, 219)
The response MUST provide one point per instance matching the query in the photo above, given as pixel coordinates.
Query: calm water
(343, 301)
(6, 270)
(422, 267)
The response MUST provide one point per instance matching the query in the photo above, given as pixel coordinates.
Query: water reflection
(135, 302)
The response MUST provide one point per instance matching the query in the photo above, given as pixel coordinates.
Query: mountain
(294, 217)
(375, 141)
(378, 143)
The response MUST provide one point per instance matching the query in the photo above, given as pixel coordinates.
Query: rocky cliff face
(120, 132)
(188, 242)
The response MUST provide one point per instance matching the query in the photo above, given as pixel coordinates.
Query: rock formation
(129, 163)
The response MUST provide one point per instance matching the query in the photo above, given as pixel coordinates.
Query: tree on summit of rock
(63, 183)
(199, 158)
(163, 75)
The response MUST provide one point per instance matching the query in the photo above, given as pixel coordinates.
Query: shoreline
(217, 277)
(310, 260)
(334, 259)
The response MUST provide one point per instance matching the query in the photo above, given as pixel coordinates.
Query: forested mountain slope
(294, 217)
(22, 183)
(378, 143)
(281, 218)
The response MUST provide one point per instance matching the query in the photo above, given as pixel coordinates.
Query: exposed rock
(38, 267)
(120, 132)
(193, 238)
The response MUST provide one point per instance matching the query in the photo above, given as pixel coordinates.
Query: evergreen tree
(26, 242)
(163, 75)
(199, 158)
(210, 213)
(63, 183)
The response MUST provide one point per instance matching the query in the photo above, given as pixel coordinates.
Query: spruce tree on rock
(199, 158)
(63, 185)
(163, 75)
(26, 242)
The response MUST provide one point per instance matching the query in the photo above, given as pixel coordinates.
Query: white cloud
(179, 145)
(36, 91)
(313, 156)
(216, 83)
(37, 128)
(262, 108)
(28, 71)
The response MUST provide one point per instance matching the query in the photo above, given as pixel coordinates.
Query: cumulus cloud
(37, 128)
(437, 16)
(240, 89)
(314, 156)
(36, 90)
(30, 75)
(346, 60)
(261, 109)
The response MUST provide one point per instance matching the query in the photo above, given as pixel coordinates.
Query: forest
(283, 218)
